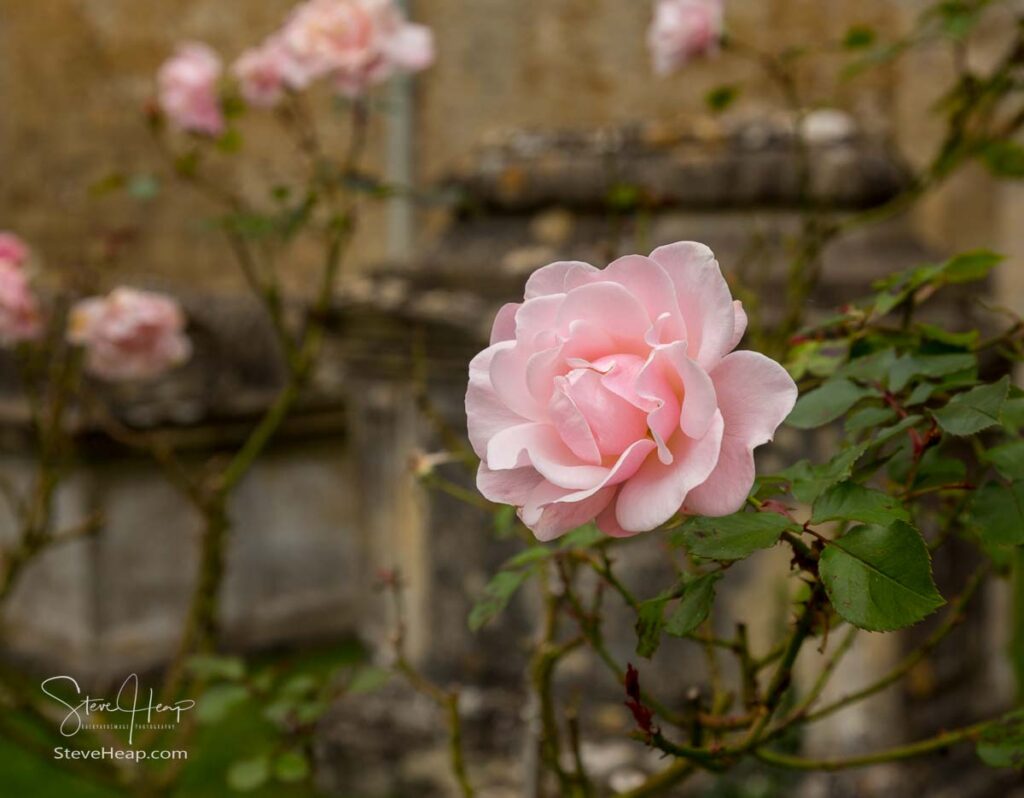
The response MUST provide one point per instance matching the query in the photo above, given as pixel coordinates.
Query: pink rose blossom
(13, 249)
(187, 89)
(354, 43)
(20, 317)
(683, 30)
(615, 394)
(130, 334)
(265, 72)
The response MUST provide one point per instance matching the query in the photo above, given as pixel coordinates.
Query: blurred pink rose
(20, 317)
(187, 89)
(354, 43)
(683, 30)
(612, 394)
(13, 249)
(265, 72)
(130, 334)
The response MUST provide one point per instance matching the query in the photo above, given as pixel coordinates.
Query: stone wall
(75, 74)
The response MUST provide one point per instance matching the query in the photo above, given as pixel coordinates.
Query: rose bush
(683, 30)
(12, 249)
(615, 394)
(187, 89)
(265, 72)
(129, 334)
(354, 44)
(20, 316)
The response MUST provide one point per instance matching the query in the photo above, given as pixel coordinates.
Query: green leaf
(886, 433)
(922, 393)
(961, 340)
(827, 403)
(935, 469)
(1012, 416)
(969, 267)
(721, 97)
(212, 666)
(299, 685)
(497, 594)
(187, 164)
(249, 774)
(858, 37)
(897, 288)
(215, 704)
(978, 409)
(291, 767)
(913, 366)
(874, 366)
(808, 481)
(879, 578)
(583, 538)
(624, 197)
(999, 513)
(230, 142)
(528, 556)
(694, 605)
(144, 187)
(820, 358)
(250, 225)
(849, 501)
(733, 537)
(868, 418)
(368, 679)
(958, 18)
(504, 521)
(1004, 158)
(649, 623)
(115, 181)
(1008, 459)
(1002, 744)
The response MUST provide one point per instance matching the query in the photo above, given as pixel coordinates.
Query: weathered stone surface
(750, 165)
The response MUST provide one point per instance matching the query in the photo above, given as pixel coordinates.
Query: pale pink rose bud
(13, 249)
(355, 43)
(20, 316)
(130, 334)
(615, 394)
(187, 89)
(264, 73)
(683, 30)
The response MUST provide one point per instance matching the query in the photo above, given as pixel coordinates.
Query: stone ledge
(752, 163)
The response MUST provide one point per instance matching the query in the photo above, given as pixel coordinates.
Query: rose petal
(611, 307)
(486, 414)
(551, 278)
(741, 325)
(572, 425)
(657, 491)
(704, 299)
(650, 283)
(755, 396)
(699, 397)
(512, 486)
(504, 328)
(549, 515)
(540, 445)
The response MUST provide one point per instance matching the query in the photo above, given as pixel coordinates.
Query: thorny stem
(546, 657)
(674, 774)
(954, 616)
(937, 743)
(446, 700)
(212, 500)
(784, 671)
